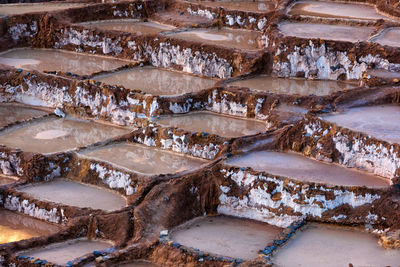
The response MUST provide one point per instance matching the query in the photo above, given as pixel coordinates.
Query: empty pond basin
(4, 180)
(75, 194)
(139, 263)
(213, 123)
(328, 245)
(326, 31)
(292, 86)
(231, 38)
(12, 112)
(144, 159)
(61, 253)
(390, 37)
(301, 168)
(22, 8)
(15, 227)
(226, 236)
(382, 122)
(258, 6)
(157, 81)
(289, 113)
(52, 134)
(384, 74)
(59, 60)
(130, 25)
(335, 10)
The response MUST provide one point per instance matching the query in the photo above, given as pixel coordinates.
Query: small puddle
(382, 122)
(61, 253)
(52, 135)
(326, 31)
(130, 25)
(72, 193)
(335, 10)
(301, 168)
(332, 246)
(293, 86)
(213, 123)
(15, 227)
(389, 37)
(231, 38)
(22, 8)
(13, 112)
(258, 6)
(59, 60)
(226, 236)
(144, 159)
(157, 81)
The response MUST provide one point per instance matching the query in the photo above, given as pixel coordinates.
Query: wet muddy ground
(199, 133)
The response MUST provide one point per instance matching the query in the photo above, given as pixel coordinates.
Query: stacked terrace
(199, 133)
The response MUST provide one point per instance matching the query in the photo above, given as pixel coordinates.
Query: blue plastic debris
(204, 134)
(269, 249)
(97, 253)
(176, 245)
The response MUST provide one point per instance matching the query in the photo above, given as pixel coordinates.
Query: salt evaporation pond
(338, 10)
(129, 25)
(59, 60)
(390, 37)
(242, 5)
(22, 8)
(301, 168)
(232, 38)
(326, 31)
(75, 194)
(332, 246)
(144, 159)
(62, 253)
(226, 236)
(52, 135)
(292, 86)
(12, 112)
(382, 122)
(157, 81)
(213, 123)
(15, 227)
